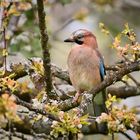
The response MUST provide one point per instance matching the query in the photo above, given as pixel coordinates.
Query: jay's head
(82, 37)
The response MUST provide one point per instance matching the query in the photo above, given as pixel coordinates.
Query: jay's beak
(69, 40)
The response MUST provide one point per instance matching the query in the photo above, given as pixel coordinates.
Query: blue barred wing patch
(102, 70)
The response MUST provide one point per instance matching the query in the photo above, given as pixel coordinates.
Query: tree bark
(45, 49)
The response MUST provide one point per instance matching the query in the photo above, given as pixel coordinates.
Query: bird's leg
(76, 97)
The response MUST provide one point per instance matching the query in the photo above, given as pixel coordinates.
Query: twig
(125, 82)
(45, 49)
(5, 49)
(62, 27)
(112, 136)
(1, 15)
(134, 80)
(4, 33)
(10, 130)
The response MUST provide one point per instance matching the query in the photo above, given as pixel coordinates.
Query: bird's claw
(74, 100)
(76, 97)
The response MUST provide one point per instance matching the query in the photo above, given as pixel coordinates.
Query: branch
(58, 72)
(37, 110)
(45, 49)
(123, 91)
(110, 79)
(116, 76)
(24, 136)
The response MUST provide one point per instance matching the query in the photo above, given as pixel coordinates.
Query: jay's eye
(80, 36)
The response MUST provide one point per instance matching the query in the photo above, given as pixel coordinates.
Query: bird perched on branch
(85, 62)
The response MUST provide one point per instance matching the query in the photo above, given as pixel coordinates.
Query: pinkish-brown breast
(83, 66)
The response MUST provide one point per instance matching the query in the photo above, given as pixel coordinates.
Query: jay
(85, 62)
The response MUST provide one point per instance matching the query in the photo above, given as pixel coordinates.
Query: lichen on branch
(44, 45)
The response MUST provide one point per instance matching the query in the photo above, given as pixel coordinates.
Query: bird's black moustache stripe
(79, 42)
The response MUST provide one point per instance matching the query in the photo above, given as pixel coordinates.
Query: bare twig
(134, 80)
(113, 136)
(62, 27)
(125, 82)
(5, 49)
(1, 15)
(4, 21)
